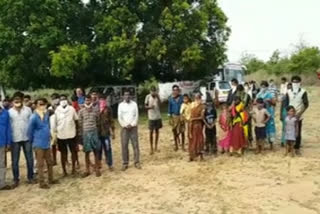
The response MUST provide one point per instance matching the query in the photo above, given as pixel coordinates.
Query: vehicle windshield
(234, 74)
(224, 85)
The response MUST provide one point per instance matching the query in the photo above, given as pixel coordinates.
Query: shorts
(91, 142)
(63, 145)
(155, 124)
(261, 133)
(178, 125)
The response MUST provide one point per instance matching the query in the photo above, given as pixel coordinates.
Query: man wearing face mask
(39, 135)
(63, 123)
(19, 118)
(298, 98)
(233, 91)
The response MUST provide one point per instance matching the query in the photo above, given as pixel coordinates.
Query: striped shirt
(88, 120)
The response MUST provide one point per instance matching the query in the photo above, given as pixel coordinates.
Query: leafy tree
(252, 63)
(305, 61)
(60, 43)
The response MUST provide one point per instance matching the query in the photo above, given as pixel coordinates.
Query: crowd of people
(86, 123)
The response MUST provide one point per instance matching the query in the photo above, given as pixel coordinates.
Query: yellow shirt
(185, 111)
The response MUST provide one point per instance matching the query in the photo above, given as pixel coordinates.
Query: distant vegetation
(303, 61)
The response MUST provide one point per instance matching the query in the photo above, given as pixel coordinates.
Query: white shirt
(128, 114)
(283, 88)
(63, 122)
(154, 113)
(19, 123)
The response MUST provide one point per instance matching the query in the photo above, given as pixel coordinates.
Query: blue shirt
(175, 105)
(39, 131)
(5, 128)
(81, 100)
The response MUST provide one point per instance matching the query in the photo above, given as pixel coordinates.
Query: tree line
(61, 43)
(303, 60)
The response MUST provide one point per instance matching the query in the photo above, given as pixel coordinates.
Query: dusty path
(169, 184)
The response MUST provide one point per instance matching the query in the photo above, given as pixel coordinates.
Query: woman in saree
(239, 132)
(196, 145)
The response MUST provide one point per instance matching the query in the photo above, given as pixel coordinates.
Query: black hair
(94, 91)
(74, 98)
(18, 94)
(55, 96)
(82, 89)
(264, 83)
(260, 101)
(234, 80)
(88, 96)
(271, 80)
(41, 99)
(284, 79)
(290, 108)
(7, 99)
(296, 78)
(27, 97)
(240, 88)
(103, 96)
(63, 95)
(175, 86)
(186, 95)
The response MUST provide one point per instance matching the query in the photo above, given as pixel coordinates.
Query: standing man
(27, 101)
(106, 131)
(95, 100)
(89, 123)
(152, 104)
(19, 118)
(64, 126)
(298, 98)
(233, 92)
(128, 115)
(5, 141)
(174, 107)
(39, 135)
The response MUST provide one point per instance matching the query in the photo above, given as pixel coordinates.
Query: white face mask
(234, 88)
(88, 106)
(63, 103)
(296, 87)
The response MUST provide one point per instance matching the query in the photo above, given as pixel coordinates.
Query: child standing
(185, 113)
(210, 117)
(260, 116)
(225, 134)
(291, 130)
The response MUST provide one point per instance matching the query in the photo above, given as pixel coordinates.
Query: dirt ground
(270, 183)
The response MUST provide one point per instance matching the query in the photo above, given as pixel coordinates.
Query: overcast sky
(261, 26)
